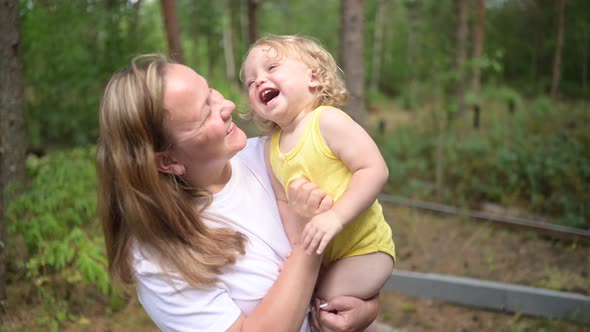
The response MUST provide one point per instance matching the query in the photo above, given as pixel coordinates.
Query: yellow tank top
(311, 158)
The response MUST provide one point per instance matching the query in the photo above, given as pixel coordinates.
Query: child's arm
(357, 150)
(292, 229)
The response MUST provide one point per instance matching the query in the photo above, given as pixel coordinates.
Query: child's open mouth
(267, 95)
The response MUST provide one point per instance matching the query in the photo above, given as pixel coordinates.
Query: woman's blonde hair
(139, 204)
(331, 90)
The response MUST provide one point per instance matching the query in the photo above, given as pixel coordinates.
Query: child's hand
(320, 230)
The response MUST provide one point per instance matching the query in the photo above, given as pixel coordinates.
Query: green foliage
(510, 97)
(56, 219)
(302, 17)
(68, 64)
(407, 155)
(538, 159)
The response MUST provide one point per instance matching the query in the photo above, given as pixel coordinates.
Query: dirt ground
(456, 246)
(425, 243)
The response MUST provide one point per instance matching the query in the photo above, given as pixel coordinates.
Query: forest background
(471, 102)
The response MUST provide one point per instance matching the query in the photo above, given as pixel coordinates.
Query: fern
(56, 218)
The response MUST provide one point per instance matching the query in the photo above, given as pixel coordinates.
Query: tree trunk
(214, 37)
(252, 21)
(533, 72)
(378, 45)
(411, 37)
(195, 31)
(114, 44)
(172, 30)
(133, 27)
(584, 46)
(228, 46)
(558, 49)
(461, 55)
(235, 30)
(12, 124)
(3, 262)
(352, 44)
(439, 156)
(388, 37)
(478, 42)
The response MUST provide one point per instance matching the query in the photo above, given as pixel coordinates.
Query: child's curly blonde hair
(331, 90)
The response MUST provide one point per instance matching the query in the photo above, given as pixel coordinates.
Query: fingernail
(323, 305)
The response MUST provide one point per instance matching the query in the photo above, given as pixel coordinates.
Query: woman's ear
(166, 164)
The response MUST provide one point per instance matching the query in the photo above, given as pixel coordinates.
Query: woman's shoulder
(143, 260)
(254, 145)
(253, 154)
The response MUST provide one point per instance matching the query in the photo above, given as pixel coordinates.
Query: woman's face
(199, 120)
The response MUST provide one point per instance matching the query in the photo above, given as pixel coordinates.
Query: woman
(189, 215)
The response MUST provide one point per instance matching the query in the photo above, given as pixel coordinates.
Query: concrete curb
(492, 295)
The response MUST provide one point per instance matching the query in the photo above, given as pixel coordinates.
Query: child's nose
(260, 81)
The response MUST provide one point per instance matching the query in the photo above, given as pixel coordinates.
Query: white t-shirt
(247, 204)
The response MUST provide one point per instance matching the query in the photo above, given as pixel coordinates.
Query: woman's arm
(344, 313)
(174, 305)
(285, 305)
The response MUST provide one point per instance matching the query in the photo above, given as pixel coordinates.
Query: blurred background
(481, 105)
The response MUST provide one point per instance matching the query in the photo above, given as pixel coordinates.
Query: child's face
(279, 88)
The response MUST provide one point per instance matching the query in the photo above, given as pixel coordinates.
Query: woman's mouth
(229, 128)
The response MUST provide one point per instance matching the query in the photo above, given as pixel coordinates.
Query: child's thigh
(359, 276)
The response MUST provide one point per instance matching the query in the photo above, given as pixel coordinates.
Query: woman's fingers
(325, 204)
(308, 198)
(313, 317)
(315, 198)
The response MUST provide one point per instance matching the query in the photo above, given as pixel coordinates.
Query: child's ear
(166, 164)
(314, 81)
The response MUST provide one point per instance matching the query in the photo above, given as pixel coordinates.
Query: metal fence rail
(545, 228)
(492, 295)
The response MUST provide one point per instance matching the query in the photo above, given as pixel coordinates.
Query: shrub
(538, 160)
(56, 218)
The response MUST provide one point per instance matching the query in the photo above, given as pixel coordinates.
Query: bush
(538, 160)
(56, 218)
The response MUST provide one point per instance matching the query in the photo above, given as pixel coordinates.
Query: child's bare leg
(359, 276)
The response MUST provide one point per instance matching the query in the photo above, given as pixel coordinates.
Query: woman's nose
(218, 101)
(226, 107)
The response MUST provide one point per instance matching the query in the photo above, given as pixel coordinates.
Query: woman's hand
(344, 314)
(306, 200)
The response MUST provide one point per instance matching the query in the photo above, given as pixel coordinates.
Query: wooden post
(511, 106)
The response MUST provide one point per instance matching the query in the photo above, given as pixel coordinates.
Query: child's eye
(272, 66)
(249, 83)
